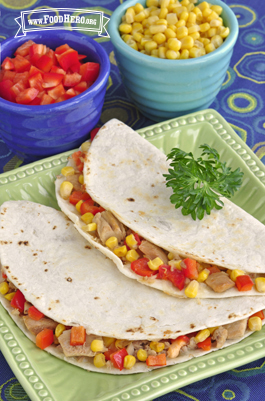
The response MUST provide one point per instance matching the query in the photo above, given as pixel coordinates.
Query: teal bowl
(164, 89)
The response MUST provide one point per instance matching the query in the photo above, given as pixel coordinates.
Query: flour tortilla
(124, 173)
(53, 266)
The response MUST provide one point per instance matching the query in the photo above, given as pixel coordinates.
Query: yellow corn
(150, 45)
(202, 6)
(172, 19)
(159, 38)
(191, 290)
(85, 146)
(155, 263)
(157, 28)
(78, 205)
(184, 54)
(260, 284)
(182, 32)
(142, 355)
(4, 288)
(121, 343)
(138, 8)
(152, 3)
(225, 32)
(217, 9)
(59, 329)
(132, 255)
(156, 346)
(175, 263)
(204, 27)
(203, 275)
(67, 170)
(112, 242)
(66, 188)
(202, 335)
(169, 33)
(99, 360)
(172, 55)
(81, 179)
(129, 16)
(121, 251)
(108, 341)
(235, 273)
(162, 52)
(90, 227)
(209, 48)
(163, 13)
(139, 17)
(131, 241)
(187, 42)
(179, 24)
(10, 296)
(170, 256)
(184, 16)
(87, 217)
(97, 346)
(212, 329)
(129, 361)
(125, 28)
(174, 44)
(254, 323)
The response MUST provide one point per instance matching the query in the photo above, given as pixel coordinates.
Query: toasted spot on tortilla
(141, 213)
(152, 318)
(54, 227)
(69, 279)
(152, 185)
(88, 247)
(6, 267)
(57, 301)
(167, 332)
(26, 243)
(155, 196)
(113, 164)
(49, 308)
(130, 199)
(192, 326)
(96, 298)
(46, 270)
(20, 230)
(35, 254)
(231, 316)
(3, 242)
(45, 263)
(37, 297)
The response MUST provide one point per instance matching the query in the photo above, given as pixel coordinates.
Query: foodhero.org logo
(62, 19)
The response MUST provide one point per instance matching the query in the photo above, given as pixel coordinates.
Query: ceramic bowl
(164, 89)
(34, 132)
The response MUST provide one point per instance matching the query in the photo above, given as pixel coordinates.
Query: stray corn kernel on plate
(78, 381)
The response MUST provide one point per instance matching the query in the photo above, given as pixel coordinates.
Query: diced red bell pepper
(89, 71)
(46, 99)
(191, 270)
(70, 92)
(23, 50)
(35, 58)
(34, 313)
(112, 348)
(183, 339)
(61, 49)
(44, 338)
(141, 268)
(35, 102)
(244, 283)
(35, 81)
(93, 133)
(51, 79)
(117, 358)
(5, 90)
(57, 70)
(81, 86)
(44, 63)
(77, 156)
(259, 314)
(18, 301)
(78, 335)
(71, 79)
(81, 56)
(7, 74)
(21, 64)
(37, 48)
(213, 269)
(176, 276)
(67, 59)
(7, 64)
(206, 345)
(4, 275)
(21, 76)
(77, 196)
(57, 91)
(27, 95)
(18, 87)
(75, 67)
(34, 70)
(156, 360)
(88, 207)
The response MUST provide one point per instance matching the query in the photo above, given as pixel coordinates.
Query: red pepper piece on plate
(156, 360)
(117, 358)
(88, 207)
(34, 313)
(18, 301)
(78, 335)
(244, 283)
(191, 270)
(141, 268)
(183, 339)
(44, 338)
(206, 345)
(176, 276)
(77, 196)
(112, 348)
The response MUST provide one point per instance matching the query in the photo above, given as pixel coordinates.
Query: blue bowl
(164, 89)
(34, 132)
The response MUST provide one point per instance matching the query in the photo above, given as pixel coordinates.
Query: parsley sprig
(198, 184)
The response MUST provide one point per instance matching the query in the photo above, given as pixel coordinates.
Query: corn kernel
(97, 346)
(126, 37)
(254, 323)
(125, 28)
(150, 3)
(211, 32)
(99, 360)
(10, 296)
(170, 255)
(137, 36)
(203, 275)
(68, 170)
(156, 346)
(235, 273)
(132, 44)
(182, 32)
(90, 227)
(78, 205)
(191, 290)
(159, 38)
(138, 8)
(150, 45)
(172, 18)
(85, 146)
(137, 27)
(155, 263)
(202, 6)
(260, 284)
(187, 42)
(131, 241)
(202, 335)
(139, 17)
(129, 361)
(121, 251)
(132, 255)
(225, 32)
(174, 44)
(66, 188)
(217, 9)
(162, 52)
(175, 263)
(169, 33)
(59, 329)
(164, 3)
(180, 23)
(163, 13)
(142, 355)
(157, 28)
(81, 179)
(194, 35)
(209, 48)
(87, 217)
(172, 55)
(112, 242)
(184, 54)
(129, 15)
(108, 341)
(212, 329)
(4, 288)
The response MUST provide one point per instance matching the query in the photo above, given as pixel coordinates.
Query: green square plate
(46, 378)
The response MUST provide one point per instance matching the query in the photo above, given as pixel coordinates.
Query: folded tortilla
(123, 173)
(71, 283)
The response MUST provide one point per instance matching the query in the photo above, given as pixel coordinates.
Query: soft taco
(73, 302)
(115, 193)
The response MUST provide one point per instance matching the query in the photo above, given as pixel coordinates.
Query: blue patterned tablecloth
(241, 102)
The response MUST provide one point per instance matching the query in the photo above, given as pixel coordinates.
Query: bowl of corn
(173, 56)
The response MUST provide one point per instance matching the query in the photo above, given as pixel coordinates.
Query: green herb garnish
(198, 184)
